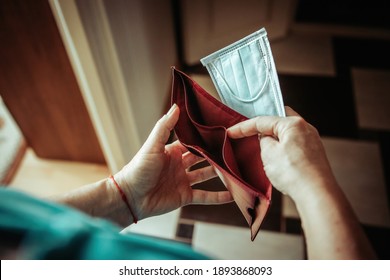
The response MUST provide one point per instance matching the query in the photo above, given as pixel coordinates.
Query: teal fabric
(46, 230)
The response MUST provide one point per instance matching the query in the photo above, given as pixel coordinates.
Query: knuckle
(298, 121)
(313, 129)
(302, 125)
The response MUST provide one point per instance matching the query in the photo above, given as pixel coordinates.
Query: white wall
(144, 39)
(121, 52)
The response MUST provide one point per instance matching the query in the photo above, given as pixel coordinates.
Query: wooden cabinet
(39, 87)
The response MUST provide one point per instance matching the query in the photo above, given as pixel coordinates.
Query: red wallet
(202, 129)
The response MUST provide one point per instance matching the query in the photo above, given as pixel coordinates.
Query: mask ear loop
(264, 44)
(221, 78)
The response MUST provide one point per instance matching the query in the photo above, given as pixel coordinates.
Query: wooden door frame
(80, 53)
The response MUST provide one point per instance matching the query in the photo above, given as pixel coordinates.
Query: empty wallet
(202, 128)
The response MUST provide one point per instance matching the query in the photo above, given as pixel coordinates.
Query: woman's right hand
(295, 162)
(291, 150)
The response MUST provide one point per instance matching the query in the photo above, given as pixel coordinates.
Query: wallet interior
(202, 128)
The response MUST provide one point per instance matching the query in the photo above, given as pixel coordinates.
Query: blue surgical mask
(245, 76)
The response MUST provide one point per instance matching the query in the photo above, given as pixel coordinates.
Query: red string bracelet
(124, 198)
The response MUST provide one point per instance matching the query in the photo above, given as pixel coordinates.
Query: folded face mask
(202, 126)
(245, 76)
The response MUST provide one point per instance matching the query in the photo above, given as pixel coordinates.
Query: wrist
(311, 193)
(122, 205)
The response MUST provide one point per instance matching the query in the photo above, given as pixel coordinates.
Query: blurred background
(82, 83)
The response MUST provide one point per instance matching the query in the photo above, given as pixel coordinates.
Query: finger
(242, 129)
(161, 131)
(259, 125)
(178, 145)
(207, 197)
(267, 143)
(201, 175)
(189, 159)
(263, 125)
(290, 111)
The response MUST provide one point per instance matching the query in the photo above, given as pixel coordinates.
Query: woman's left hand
(158, 180)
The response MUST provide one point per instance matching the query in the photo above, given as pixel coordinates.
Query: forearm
(100, 199)
(331, 228)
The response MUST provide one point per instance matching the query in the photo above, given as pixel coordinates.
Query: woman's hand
(295, 162)
(157, 179)
(291, 150)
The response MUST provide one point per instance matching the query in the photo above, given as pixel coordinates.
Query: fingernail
(172, 109)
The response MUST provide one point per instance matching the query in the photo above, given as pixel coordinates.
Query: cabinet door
(39, 87)
(208, 25)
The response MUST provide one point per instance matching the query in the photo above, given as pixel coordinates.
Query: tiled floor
(212, 239)
(163, 226)
(304, 53)
(45, 178)
(372, 95)
(340, 84)
(358, 169)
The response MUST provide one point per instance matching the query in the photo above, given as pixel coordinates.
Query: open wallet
(202, 128)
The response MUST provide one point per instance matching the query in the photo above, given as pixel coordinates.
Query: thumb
(268, 147)
(267, 142)
(161, 131)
